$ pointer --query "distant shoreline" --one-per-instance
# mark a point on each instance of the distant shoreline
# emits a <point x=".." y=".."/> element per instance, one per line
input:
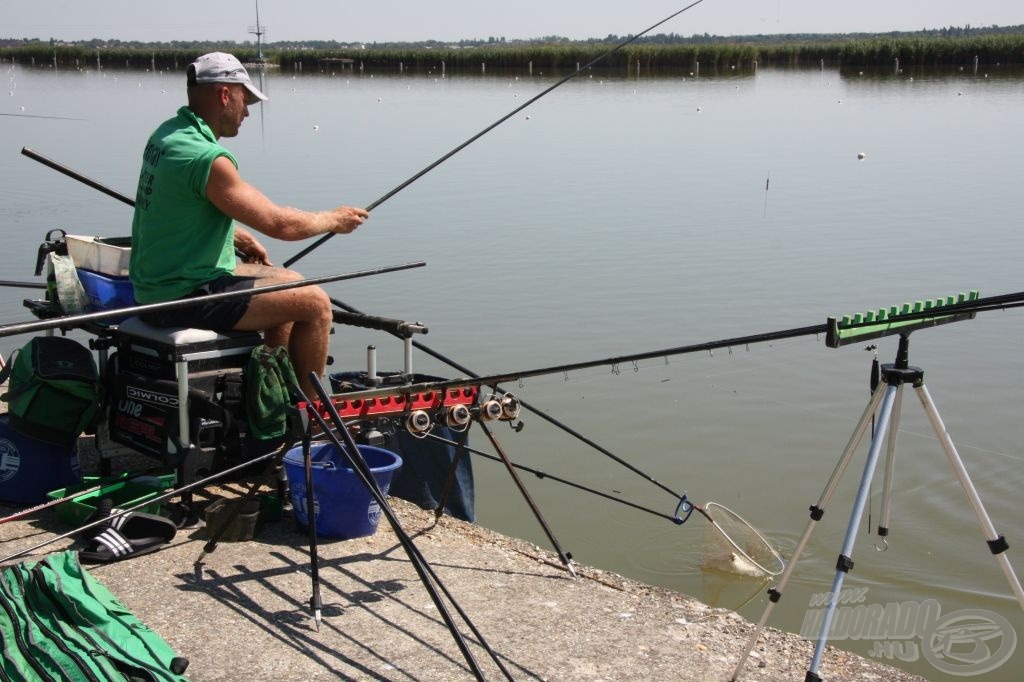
<point x="927" y="49"/>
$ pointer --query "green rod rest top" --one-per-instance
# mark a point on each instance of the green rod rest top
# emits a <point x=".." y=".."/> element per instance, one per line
<point x="904" y="319"/>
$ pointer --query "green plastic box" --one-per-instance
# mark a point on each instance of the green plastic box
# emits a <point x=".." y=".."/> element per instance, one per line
<point x="125" y="492"/>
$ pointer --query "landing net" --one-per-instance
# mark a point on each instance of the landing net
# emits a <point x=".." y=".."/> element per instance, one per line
<point x="734" y="546"/>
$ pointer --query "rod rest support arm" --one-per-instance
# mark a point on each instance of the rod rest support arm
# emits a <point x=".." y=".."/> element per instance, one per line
<point x="397" y="327"/>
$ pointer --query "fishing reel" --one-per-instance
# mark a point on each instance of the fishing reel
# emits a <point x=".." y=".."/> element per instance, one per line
<point x="458" y="417"/>
<point x="419" y="423"/>
<point x="504" y="407"/>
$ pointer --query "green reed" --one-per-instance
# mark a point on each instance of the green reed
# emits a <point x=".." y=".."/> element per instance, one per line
<point x="910" y="50"/>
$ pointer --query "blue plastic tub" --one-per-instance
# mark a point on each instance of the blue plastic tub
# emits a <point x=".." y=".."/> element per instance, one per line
<point x="106" y="292"/>
<point x="342" y="506"/>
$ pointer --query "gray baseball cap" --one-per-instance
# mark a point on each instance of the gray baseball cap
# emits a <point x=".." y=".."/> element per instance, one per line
<point x="221" y="67"/>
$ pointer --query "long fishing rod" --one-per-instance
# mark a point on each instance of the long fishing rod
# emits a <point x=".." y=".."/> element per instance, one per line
<point x="494" y="125"/>
<point x="744" y="540"/>
<point x="525" y="404"/>
<point x="51" y="503"/>
<point x="55" y="118"/>
<point x="856" y="330"/>
<point x="490" y="380"/>
<point x="150" y="501"/>
<point x="22" y="285"/>
<point x="61" y="500"/>
<point x="74" y="320"/>
<point x="35" y="156"/>
<point x="564" y="481"/>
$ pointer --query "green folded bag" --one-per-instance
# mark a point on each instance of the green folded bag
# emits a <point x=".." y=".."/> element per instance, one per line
<point x="58" y="622"/>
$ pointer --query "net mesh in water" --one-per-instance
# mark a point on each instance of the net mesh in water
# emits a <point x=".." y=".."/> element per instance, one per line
<point x="734" y="546"/>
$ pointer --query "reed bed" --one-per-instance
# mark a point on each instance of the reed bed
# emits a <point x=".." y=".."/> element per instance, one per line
<point x="881" y="52"/>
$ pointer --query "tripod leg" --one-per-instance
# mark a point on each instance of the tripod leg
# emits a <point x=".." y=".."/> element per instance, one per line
<point x="890" y="468"/>
<point x="845" y="563"/>
<point x="817" y="511"/>
<point x="996" y="543"/>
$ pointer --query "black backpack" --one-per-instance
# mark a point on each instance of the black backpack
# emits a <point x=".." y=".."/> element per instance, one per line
<point x="54" y="391"/>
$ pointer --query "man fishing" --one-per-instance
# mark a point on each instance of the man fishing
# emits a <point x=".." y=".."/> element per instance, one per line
<point x="185" y="231"/>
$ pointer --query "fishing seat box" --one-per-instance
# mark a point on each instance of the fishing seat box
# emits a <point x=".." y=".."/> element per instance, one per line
<point x="176" y="352"/>
<point x="31" y="468"/>
<point x="156" y="370"/>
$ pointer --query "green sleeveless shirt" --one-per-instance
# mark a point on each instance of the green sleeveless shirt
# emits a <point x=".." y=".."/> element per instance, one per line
<point x="180" y="240"/>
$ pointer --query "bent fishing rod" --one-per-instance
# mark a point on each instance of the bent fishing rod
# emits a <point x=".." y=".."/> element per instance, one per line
<point x="494" y="125"/>
<point x="101" y="315"/>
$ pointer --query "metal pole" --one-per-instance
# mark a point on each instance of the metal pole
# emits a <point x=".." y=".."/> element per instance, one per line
<point x="817" y="512"/>
<point x="844" y="564"/>
<point x="997" y="544"/>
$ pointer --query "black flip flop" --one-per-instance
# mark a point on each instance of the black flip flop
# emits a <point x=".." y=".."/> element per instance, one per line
<point x="129" y="535"/>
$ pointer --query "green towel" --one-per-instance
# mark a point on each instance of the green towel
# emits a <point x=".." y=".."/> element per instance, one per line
<point x="269" y="377"/>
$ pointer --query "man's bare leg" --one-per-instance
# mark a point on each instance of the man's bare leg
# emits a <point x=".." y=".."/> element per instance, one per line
<point x="299" y="319"/>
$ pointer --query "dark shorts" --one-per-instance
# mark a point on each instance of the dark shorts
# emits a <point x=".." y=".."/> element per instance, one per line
<point x="220" y="316"/>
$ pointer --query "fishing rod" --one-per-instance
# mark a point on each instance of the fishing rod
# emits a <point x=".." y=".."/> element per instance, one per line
<point x="149" y="501"/>
<point x="35" y="156"/>
<point x="494" y="125"/>
<point x="525" y="404"/>
<point x="742" y="538"/>
<point x="67" y="498"/>
<point x="564" y="481"/>
<point x="52" y="503"/>
<point x="848" y="330"/>
<point x="22" y="285"/>
<point x="55" y="118"/>
<point x="493" y="379"/>
<point x="350" y="451"/>
<point x="74" y="320"/>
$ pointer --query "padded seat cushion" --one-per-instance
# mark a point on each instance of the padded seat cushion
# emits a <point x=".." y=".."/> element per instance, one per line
<point x="182" y="336"/>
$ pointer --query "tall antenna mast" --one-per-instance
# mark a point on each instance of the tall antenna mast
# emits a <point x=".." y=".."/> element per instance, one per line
<point x="258" y="31"/>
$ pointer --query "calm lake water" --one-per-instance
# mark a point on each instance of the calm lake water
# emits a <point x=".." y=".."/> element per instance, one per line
<point x="617" y="216"/>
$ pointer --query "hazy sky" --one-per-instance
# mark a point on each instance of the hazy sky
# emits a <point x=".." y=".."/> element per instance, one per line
<point x="397" y="20"/>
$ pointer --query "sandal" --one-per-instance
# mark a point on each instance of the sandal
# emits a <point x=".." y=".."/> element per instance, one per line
<point x="128" y="535"/>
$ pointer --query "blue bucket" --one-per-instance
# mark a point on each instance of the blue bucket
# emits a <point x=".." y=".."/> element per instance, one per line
<point x="342" y="506"/>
